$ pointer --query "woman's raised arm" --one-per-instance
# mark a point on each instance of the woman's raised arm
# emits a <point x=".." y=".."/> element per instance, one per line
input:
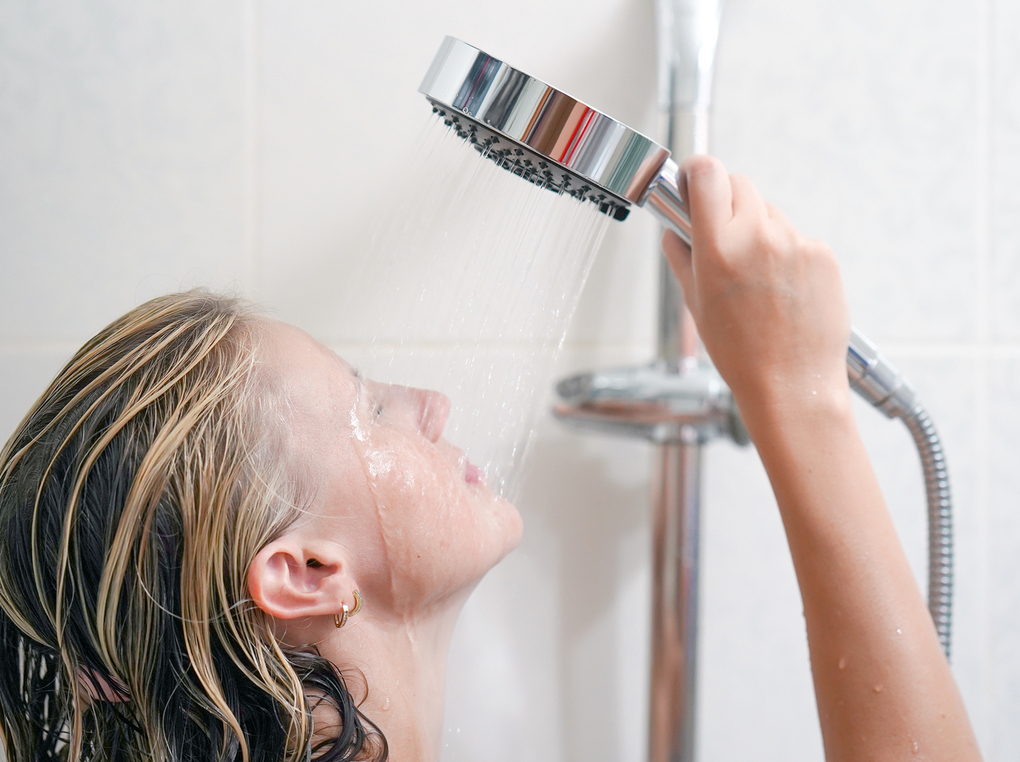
<point x="770" y="308"/>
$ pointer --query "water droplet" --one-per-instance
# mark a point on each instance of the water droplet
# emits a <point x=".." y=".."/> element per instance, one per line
<point x="879" y="688"/>
<point x="842" y="662"/>
<point x="899" y="631"/>
<point x="915" y="747"/>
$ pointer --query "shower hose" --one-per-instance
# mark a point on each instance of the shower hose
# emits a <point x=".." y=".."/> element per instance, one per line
<point x="940" y="520"/>
<point x="881" y="384"/>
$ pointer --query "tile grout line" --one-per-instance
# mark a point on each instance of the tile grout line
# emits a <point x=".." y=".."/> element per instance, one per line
<point x="986" y="345"/>
<point x="250" y="141"/>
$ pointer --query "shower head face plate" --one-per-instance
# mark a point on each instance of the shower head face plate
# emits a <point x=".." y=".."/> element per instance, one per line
<point x="540" y="133"/>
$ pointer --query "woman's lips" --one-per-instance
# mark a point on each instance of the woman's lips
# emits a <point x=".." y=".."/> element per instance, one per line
<point x="472" y="473"/>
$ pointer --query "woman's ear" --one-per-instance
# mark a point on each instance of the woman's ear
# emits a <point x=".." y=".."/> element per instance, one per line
<point x="292" y="578"/>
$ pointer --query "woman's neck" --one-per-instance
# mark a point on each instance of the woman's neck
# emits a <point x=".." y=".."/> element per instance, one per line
<point x="404" y="666"/>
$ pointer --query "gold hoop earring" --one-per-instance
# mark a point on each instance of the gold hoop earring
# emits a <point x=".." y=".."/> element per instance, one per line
<point x="339" y="620"/>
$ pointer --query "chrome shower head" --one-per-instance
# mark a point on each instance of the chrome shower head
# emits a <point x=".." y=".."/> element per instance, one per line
<point x="554" y="140"/>
<point x="543" y="134"/>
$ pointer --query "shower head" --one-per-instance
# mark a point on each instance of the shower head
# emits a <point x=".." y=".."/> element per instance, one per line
<point x="556" y="141"/>
<point x="550" y="138"/>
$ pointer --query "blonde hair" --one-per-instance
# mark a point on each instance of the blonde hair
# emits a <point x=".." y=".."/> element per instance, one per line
<point x="133" y="497"/>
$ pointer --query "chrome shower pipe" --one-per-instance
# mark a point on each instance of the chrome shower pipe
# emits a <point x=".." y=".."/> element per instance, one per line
<point x="688" y="32"/>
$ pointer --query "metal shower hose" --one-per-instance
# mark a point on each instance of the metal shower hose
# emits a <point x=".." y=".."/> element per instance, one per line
<point x="940" y="521"/>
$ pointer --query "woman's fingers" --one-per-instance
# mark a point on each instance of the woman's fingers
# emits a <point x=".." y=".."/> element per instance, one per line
<point x="747" y="202"/>
<point x="709" y="195"/>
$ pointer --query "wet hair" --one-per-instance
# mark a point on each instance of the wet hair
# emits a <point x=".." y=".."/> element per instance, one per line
<point x="133" y="497"/>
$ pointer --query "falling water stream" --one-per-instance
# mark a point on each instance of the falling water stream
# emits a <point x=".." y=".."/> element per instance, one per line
<point x="472" y="280"/>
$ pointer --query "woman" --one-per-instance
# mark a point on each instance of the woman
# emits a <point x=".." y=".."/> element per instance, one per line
<point x="218" y="542"/>
<point x="188" y="512"/>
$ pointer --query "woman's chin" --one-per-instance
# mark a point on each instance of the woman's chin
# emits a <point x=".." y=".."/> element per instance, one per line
<point x="513" y="526"/>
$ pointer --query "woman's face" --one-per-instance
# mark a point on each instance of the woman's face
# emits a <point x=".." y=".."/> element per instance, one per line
<point x="416" y="520"/>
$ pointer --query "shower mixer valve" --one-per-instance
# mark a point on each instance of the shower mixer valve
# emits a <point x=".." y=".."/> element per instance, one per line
<point x="659" y="402"/>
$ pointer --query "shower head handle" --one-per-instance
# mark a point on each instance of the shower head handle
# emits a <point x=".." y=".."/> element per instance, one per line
<point x="663" y="200"/>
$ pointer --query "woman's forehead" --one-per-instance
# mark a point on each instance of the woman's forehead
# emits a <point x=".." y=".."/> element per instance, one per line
<point x="315" y="378"/>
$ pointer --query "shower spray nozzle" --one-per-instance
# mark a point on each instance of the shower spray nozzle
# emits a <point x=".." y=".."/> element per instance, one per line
<point x="548" y="137"/>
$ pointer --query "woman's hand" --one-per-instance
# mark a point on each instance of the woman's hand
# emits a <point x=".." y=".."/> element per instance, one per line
<point x="768" y="302"/>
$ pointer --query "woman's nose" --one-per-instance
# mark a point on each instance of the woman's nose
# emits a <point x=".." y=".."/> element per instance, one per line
<point x="435" y="409"/>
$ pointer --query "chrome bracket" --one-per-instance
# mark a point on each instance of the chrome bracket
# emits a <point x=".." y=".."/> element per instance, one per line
<point x="662" y="402"/>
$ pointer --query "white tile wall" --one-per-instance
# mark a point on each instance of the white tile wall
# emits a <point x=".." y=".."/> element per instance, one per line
<point x="862" y="120"/>
<point x="1004" y="154"/>
<point x="257" y="145"/>
<point x="1002" y="518"/>
<point x="121" y="161"/>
